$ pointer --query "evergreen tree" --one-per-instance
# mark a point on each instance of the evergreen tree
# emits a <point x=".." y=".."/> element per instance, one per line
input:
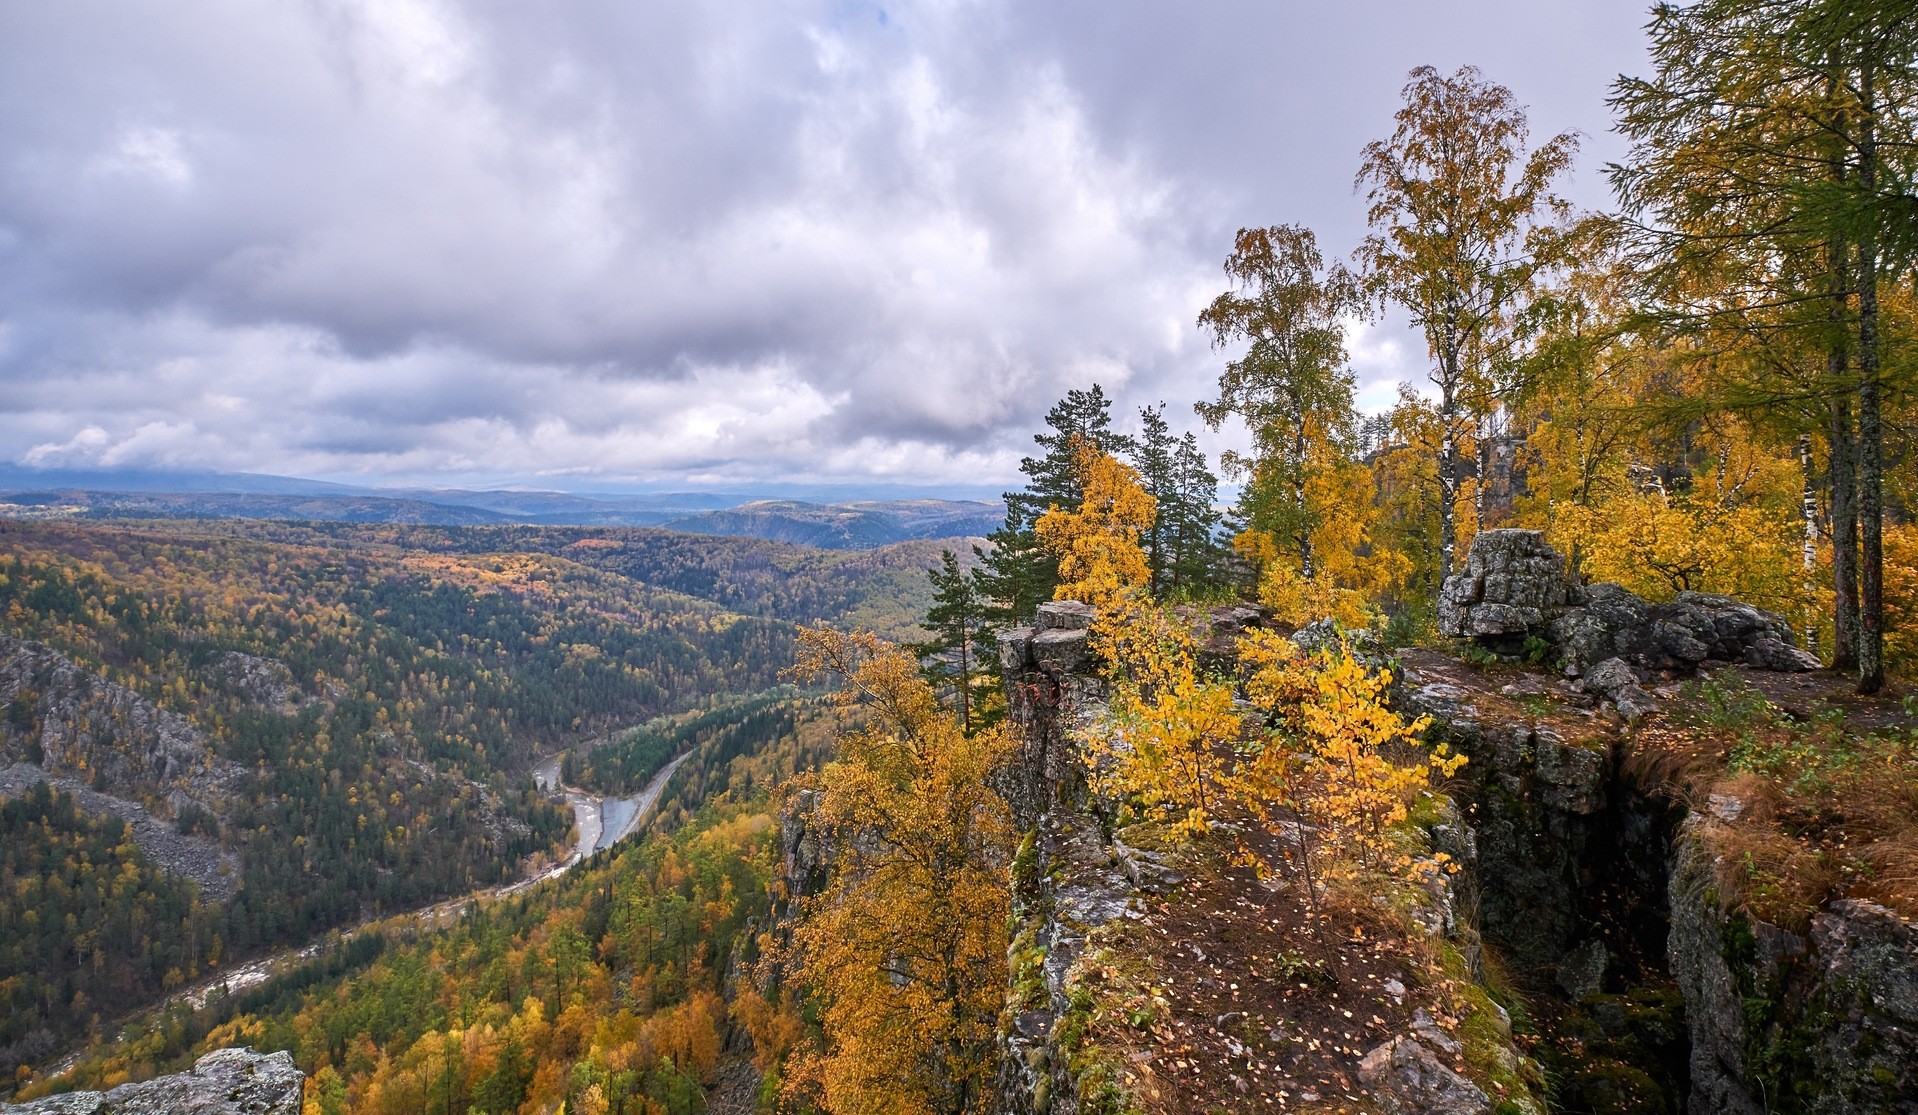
<point x="960" y="630"/>
<point x="1157" y="462"/>
<point x="1197" y="558"/>
<point x="1019" y="574"/>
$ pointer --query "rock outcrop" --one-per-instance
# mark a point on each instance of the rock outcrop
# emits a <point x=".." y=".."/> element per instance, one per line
<point x="1079" y="883"/>
<point x="266" y="683"/>
<point x="1691" y="629"/>
<point x="1513" y="584"/>
<point x="75" y="724"/>
<point x="1825" y="1022"/>
<point x="224" y="1082"/>
<point x="1513" y="595"/>
<point x="1050" y="694"/>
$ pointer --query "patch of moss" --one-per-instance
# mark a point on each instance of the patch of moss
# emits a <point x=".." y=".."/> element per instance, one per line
<point x="1486" y="1034"/>
<point x="1026" y="960"/>
<point x="1105" y="989"/>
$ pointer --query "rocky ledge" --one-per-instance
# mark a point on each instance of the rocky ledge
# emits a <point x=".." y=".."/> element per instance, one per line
<point x="224" y="1082"/>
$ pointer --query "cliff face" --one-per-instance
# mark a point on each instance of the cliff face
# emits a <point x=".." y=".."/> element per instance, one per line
<point x="75" y="724"/>
<point x="1598" y="884"/>
<point x="1825" y="1021"/>
<point x="224" y="1082"/>
<point x="1168" y="977"/>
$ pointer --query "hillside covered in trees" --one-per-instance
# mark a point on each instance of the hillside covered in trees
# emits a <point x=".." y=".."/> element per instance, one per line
<point x="1544" y="743"/>
<point x="344" y="719"/>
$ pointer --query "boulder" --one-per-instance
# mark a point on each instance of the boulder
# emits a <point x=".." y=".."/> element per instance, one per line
<point x="224" y="1082"/>
<point x="1613" y="627"/>
<point x="1408" y="1078"/>
<point x="1512" y="585"/>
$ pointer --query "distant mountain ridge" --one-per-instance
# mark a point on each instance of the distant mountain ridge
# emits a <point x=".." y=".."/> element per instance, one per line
<point x="851" y="525"/>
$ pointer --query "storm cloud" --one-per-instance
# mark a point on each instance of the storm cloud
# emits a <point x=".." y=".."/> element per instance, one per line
<point x="605" y="242"/>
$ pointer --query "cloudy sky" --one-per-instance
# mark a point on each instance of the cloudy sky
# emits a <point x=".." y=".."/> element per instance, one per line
<point x="604" y="243"/>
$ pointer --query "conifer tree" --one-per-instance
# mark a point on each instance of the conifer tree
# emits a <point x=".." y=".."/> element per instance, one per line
<point x="1771" y="168"/>
<point x="960" y="632"/>
<point x="1197" y="556"/>
<point x="1020" y="574"/>
<point x="1157" y="462"/>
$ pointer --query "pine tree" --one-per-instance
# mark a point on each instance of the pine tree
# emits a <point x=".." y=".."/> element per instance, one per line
<point x="1157" y="462"/>
<point x="1019" y="574"/>
<point x="960" y="632"/>
<point x="1197" y="556"/>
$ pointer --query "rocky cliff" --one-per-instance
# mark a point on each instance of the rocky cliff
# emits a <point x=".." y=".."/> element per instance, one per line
<point x="224" y="1082"/>
<point x="1608" y="880"/>
<point x="1166" y="976"/>
<point x="76" y="724"/>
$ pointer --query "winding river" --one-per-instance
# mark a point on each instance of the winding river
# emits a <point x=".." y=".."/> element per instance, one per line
<point x="602" y="822"/>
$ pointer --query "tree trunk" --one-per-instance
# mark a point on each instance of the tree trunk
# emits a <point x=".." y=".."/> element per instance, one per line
<point x="1843" y="454"/>
<point x="1298" y="495"/>
<point x="1871" y="449"/>
<point x="1448" y="464"/>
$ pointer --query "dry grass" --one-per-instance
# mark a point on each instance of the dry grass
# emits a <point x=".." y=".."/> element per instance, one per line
<point x="1810" y="806"/>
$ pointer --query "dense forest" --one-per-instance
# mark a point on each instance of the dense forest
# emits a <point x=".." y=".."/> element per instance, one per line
<point x="602" y="989"/>
<point x="87" y="922"/>
<point x="366" y="715"/>
<point x="1708" y="390"/>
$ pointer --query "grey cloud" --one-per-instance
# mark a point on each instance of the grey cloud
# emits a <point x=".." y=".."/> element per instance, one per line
<point x="420" y="240"/>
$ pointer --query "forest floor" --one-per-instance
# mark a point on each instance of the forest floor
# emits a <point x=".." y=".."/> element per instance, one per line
<point x="1246" y="999"/>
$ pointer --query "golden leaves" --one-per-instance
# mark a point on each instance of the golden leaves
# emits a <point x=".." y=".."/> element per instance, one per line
<point x="1098" y="543"/>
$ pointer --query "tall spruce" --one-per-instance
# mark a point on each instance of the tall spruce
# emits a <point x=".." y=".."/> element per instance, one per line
<point x="1182" y="544"/>
<point x="1018" y="573"/>
<point x="961" y="629"/>
<point x="1157" y="462"/>
<point x="1198" y="558"/>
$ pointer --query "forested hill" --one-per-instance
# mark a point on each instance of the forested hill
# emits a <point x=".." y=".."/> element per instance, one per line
<point x="883" y="589"/>
<point x="348" y="713"/>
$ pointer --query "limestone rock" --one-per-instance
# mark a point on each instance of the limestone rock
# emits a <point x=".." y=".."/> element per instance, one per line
<point x="1015" y="649"/>
<point x="1582" y="972"/>
<point x="224" y="1082"/>
<point x="267" y="683"/>
<point x="1613" y="624"/>
<point x="1512" y="585"/>
<point x="1408" y="1079"/>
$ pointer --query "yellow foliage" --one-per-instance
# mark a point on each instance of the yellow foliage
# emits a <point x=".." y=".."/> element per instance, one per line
<point x="1097" y="544"/>
<point x="1657" y="548"/>
<point x="1168" y="738"/>
<point x="905" y="947"/>
<point x="1296" y="601"/>
<point x="1901" y="597"/>
<point x="1337" y="758"/>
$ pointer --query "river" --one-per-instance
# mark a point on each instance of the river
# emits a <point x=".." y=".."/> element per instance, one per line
<point x="602" y="822"/>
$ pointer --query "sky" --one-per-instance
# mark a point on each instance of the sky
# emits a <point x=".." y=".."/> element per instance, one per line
<point x="605" y="244"/>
